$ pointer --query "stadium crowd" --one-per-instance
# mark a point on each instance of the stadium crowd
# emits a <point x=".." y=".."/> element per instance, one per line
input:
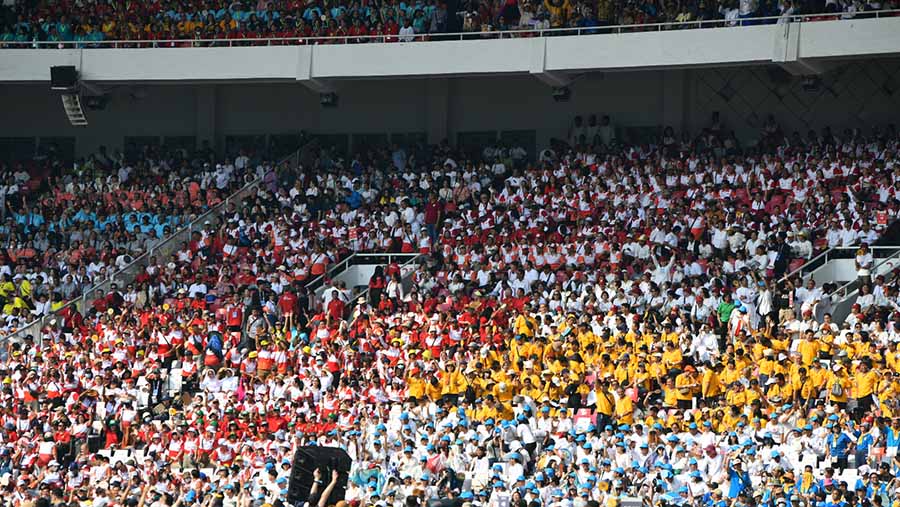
<point x="594" y="322"/>
<point x="180" y="24"/>
<point x="63" y="234"/>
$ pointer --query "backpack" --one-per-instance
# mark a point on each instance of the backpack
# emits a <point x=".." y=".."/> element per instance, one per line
<point x="469" y="395"/>
<point x="836" y="390"/>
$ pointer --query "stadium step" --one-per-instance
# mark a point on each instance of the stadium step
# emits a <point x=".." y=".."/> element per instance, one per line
<point x="838" y="265"/>
<point x="845" y="296"/>
<point x="356" y="270"/>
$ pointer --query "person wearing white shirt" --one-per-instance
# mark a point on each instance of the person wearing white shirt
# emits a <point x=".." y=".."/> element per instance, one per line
<point x="197" y="288"/>
<point x="864" y="262"/>
<point x="849" y="236"/>
<point x="865" y="300"/>
<point x="407" y="32"/>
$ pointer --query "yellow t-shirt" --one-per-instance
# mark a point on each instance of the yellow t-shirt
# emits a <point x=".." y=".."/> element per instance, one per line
<point x="865" y="383"/>
<point x="684" y="393"/>
<point x="736" y="398"/>
<point x="809" y="350"/>
<point x="625" y="410"/>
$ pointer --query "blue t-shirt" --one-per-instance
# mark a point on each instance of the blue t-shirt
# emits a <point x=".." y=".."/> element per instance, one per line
<point x="738" y="481"/>
<point x="839" y="445"/>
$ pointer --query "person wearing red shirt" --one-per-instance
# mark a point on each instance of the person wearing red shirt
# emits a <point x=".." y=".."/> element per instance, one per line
<point x="391" y="28"/>
<point x="275" y="421"/>
<point x="234" y="317"/>
<point x="356" y="30"/>
<point x="287" y="303"/>
<point x="433" y="212"/>
<point x="336" y="308"/>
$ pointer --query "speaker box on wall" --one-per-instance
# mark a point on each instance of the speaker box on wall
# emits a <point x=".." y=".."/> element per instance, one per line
<point x="326" y="459"/>
<point x="63" y="77"/>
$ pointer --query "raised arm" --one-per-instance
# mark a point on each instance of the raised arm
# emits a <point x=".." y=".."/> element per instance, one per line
<point x="323" y="500"/>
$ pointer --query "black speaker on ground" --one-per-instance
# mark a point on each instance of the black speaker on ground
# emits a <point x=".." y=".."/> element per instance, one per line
<point x="446" y="502"/>
<point x="63" y="77"/>
<point x="326" y="459"/>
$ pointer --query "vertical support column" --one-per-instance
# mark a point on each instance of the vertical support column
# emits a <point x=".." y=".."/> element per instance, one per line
<point x="673" y="99"/>
<point x="687" y="101"/>
<point x="437" y="105"/>
<point x="206" y="115"/>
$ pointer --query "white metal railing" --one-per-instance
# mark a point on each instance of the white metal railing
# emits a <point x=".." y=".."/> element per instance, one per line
<point x="837" y="252"/>
<point x="357" y="258"/>
<point x="845" y="296"/>
<point x="890" y="262"/>
<point x="493" y="34"/>
<point x="413" y="258"/>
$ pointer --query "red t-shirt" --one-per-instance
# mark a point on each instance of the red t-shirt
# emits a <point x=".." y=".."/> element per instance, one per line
<point x="288" y="302"/>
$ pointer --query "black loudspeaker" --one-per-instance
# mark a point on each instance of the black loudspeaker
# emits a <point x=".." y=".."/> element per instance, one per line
<point x="63" y="77"/>
<point x="447" y="502"/>
<point x="326" y="459"/>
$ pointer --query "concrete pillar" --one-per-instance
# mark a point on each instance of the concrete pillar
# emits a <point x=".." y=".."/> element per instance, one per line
<point x="673" y="98"/>
<point x="205" y="114"/>
<point x="437" y="104"/>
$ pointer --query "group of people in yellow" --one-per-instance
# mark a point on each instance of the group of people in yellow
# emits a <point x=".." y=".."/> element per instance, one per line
<point x="615" y="372"/>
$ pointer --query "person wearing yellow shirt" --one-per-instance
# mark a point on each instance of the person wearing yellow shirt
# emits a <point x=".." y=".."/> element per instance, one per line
<point x="730" y="374"/>
<point x="605" y="404"/>
<point x="482" y="384"/>
<point x="818" y="374"/>
<point x="892" y="357"/>
<point x="711" y="384"/>
<point x="743" y="360"/>
<point x="686" y="384"/>
<point x="504" y="392"/>
<point x="656" y="368"/>
<point x="808" y="348"/>
<point x="736" y="397"/>
<point x="525" y="325"/>
<point x="433" y="389"/>
<point x="805" y="388"/>
<point x="672" y="356"/>
<point x="56" y="304"/>
<point x="838" y="386"/>
<point x="669" y="393"/>
<point x="553" y="389"/>
<point x="669" y="336"/>
<point x="642" y="377"/>
<point x="25" y="289"/>
<point x="865" y="379"/>
<point x="530" y="390"/>
<point x="415" y="386"/>
<point x="732" y="416"/>
<point x="621" y="372"/>
<point x="485" y="411"/>
<point x="504" y="410"/>
<point x="7" y="288"/>
<point x="453" y="383"/>
<point x="753" y="392"/>
<point x="624" y="407"/>
<point x="779" y="391"/>
<point x="586" y="337"/>
<point x="767" y="365"/>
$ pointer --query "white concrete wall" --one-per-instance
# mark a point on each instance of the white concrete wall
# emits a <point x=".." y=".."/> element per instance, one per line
<point x="574" y="54"/>
<point x="853" y="94"/>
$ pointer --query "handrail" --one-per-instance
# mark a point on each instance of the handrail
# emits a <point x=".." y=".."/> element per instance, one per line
<point x="365" y="292"/>
<point x="500" y="34"/>
<point x="826" y="254"/>
<point x="847" y="289"/>
<point x="318" y="281"/>
<point x="102" y="285"/>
